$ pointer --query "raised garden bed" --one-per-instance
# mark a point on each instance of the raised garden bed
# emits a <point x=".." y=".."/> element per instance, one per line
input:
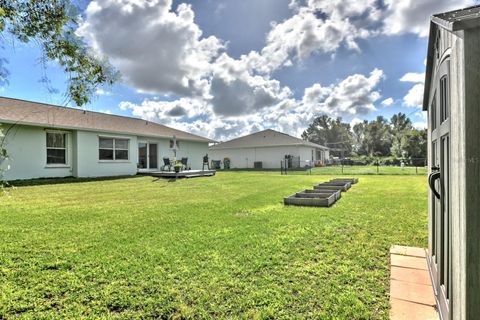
<point x="351" y="180"/>
<point x="319" y="201"/>
<point x="308" y="193"/>
<point x="333" y="186"/>
<point x="323" y="195"/>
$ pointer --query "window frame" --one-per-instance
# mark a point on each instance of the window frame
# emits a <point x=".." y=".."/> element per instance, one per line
<point x="444" y="98"/>
<point x="65" y="148"/>
<point x="114" y="149"/>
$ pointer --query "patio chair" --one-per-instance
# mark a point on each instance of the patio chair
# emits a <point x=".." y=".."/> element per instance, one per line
<point x="205" y="162"/>
<point x="184" y="162"/>
<point x="166" y="163"/>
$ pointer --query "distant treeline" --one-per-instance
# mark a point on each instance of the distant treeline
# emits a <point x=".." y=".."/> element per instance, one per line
<point x="395" y="138"/>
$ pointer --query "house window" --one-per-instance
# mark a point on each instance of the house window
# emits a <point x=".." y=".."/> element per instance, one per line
<point x="113" y="149"/>
<point x="56" y="148"/>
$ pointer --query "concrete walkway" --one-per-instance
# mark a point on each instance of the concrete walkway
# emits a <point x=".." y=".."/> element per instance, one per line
<point x="411" y="291"/>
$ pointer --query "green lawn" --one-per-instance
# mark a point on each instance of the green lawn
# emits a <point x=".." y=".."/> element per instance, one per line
<point x="220" y="247"/>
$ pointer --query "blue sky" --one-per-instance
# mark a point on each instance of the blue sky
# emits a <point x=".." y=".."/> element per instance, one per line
<point x="224" y="68"/>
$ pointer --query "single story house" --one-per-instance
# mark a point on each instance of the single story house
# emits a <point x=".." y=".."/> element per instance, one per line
<point x="46" y="141"/>
<point x="268" y="149"/>
<point x="452" y="99"/>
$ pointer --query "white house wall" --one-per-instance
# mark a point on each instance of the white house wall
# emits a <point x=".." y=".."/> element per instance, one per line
<point x="26" y="147"/>
<point x="88" y="163"/>
<point x="242" y="158"/>
<point x="194" y="151"/>
<point x="27" y="151"/>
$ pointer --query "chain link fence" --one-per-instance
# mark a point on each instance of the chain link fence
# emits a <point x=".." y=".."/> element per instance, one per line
<point x="417" y="166"/>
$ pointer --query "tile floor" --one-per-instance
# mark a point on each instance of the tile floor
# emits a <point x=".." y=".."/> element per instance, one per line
<point x="411" y="292"/>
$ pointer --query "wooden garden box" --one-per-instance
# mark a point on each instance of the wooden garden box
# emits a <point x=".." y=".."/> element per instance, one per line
<point x="319" y="201"/>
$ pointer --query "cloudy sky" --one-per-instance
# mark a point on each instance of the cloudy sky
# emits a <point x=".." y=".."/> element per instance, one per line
<point x="224" y="68"/>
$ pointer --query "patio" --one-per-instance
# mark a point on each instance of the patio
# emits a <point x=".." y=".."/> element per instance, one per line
<point x="181" y="174"/>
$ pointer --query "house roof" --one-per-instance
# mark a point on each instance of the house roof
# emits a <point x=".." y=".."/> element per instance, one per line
<point x="459" y="19"/>
<point x="451" y="21"/>
<point x="266" y="138"/>
<point x="52" y="116"/>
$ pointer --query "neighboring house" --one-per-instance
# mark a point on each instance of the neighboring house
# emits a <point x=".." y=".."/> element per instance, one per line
<point x="452" y="99"/>
<point x="270" y="148"/>
<point x="51" y="141"/>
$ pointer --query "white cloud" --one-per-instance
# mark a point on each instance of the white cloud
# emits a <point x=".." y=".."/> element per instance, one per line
<point x="413" y="77"/>
<point x="352" y="96"/>
<point x="414" y="97"/>
<point x="161" y="50"/>
<point x="235" y="90"/>
<point x="387" y="102"/>
<point x="355" y="121"/>
<point x="412" y="16"/>
<point x="167" y="111"/>
<point x="102" y="92"/>
<point x="420" y="125"/>
<point x="318" y="27"/>
<point x="156" y="50"/>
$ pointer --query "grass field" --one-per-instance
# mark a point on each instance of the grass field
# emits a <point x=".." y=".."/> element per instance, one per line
<point x="220" y="247"/>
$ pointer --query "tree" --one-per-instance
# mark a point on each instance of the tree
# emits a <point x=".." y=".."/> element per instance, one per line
<point x="400" y="126"/>
<point x="376" y="138"/>
<point x="330" y="132"/>
<point x="415" y="144"/>
<point x="359" y="145"/>
<point x="52" y="24"/>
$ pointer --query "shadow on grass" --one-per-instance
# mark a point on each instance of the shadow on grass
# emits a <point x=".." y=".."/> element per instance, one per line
<point x="52" y="181"/>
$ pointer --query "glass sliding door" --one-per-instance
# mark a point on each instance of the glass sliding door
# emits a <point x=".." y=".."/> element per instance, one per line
<point x="152" y="156"/>
<point x="147" y="155"/>
<point x="142" y="156"/>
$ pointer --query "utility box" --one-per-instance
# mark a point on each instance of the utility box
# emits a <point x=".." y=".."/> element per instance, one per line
<point x="452" y="100"/>
<point x="258" y="165"/>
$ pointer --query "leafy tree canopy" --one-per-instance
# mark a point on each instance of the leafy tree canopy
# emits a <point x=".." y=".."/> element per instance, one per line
<point x="332" y="133"/>
<point x="381" y="137"/>
<point x="52" y="24"/>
